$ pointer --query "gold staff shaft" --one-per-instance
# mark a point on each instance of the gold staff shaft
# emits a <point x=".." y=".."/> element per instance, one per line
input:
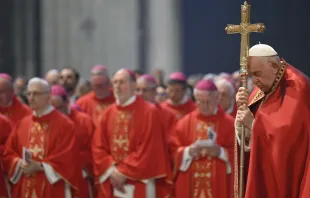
<point x="245" y="28"/>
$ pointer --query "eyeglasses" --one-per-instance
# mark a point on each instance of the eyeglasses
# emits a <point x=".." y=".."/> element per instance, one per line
<point x="35" y="93"/>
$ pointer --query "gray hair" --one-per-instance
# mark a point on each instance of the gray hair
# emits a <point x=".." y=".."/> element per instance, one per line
<point x="39" y="81"/>
<point x="271" y="59"/>
<point x="224" y="82"/>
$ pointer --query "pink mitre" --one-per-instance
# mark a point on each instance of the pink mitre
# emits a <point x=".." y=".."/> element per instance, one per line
<point x="5" y="76"/>
<point x="58" y="90"/>
<point x="99" y="69"/>
<point x="206" y="85"/>
<point x="179" y="76"/>
<point x="149" y="78"/>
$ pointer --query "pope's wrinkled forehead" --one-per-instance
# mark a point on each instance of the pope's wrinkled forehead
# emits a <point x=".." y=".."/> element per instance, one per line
<point x="255" y="63"/>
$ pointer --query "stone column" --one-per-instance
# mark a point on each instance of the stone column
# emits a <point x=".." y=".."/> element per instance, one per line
<point x="164" y="39"/>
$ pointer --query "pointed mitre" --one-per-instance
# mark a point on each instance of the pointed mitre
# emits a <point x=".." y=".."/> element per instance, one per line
<point x="262" y="50"/>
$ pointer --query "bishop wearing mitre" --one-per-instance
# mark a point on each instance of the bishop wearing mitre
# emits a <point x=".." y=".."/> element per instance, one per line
<point x="202" y="146"/>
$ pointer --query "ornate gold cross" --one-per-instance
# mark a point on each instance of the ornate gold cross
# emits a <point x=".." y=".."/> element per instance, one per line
<point x="245" y="29"/>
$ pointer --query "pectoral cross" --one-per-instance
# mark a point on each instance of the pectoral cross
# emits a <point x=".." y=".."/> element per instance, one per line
<point x="245" y="29"/>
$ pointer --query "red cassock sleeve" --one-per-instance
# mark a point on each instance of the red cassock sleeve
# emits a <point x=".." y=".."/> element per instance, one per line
<point x="178" y="142"/>
<point x="6" y="129"/>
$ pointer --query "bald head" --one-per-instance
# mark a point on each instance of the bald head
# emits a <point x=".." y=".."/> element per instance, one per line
<point x="146" y="87"/>
<point x="38" y="93"/>
<point x="124" y="85"/>
<point x="6" y="91"/>
<point x="52" y="76"/>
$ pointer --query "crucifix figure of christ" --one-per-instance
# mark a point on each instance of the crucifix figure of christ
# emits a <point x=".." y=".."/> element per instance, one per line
<point x="245" y="29"/>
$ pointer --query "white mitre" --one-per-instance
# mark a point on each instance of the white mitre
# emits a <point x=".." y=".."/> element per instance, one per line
<point x="262" y="50"/>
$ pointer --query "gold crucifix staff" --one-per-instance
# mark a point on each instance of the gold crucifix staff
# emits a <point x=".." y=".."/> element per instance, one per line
<point x="245" y="28"/>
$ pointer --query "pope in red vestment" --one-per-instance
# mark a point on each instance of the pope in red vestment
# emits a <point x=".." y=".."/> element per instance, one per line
<point x="128" y="144"/>
<point x="278" y="133"/>
<point x="95" y="102"/>
<point x="84" y="129"/>
<point x="39" y="153"/>
<point x="179" y="103"/>
<point x="10" y="106"/>
<point x="6" y="129"/>
<point x="202" y="146"/>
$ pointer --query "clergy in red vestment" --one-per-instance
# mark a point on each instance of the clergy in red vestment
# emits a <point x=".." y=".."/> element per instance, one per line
<point x="84" y="129"/>
<point x="146" y="88"/>
<point x="41" y="152"/>
<point x="179" y="103"/>
<point x="277" y="123"/>
<point x="10" y="106"/>
<point x="227" y="92"/>
<point x="95" y="102"/>
<point x="6" y="129"/>
<point x="202" y="147"/>
<point x="127" y="147"/>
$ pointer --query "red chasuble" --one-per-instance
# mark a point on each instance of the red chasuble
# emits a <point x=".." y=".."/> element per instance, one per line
<point x="84" y="129"/>
<point x="130" y="138"/>
<point x="280" y="157"/>
<point x="164" y="185"/>
<point x="94" y="106"/>
<point x="5" y="131"/>
<point x="16" y="111"/>
<point x="208" y="176"/>
<point x="179" y="110"/>
<point x="51" y="140"/>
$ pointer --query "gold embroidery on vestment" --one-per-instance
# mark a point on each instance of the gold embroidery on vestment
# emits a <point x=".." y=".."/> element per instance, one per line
<point x="202" y="169"/>
<point x="120" y="136"/>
